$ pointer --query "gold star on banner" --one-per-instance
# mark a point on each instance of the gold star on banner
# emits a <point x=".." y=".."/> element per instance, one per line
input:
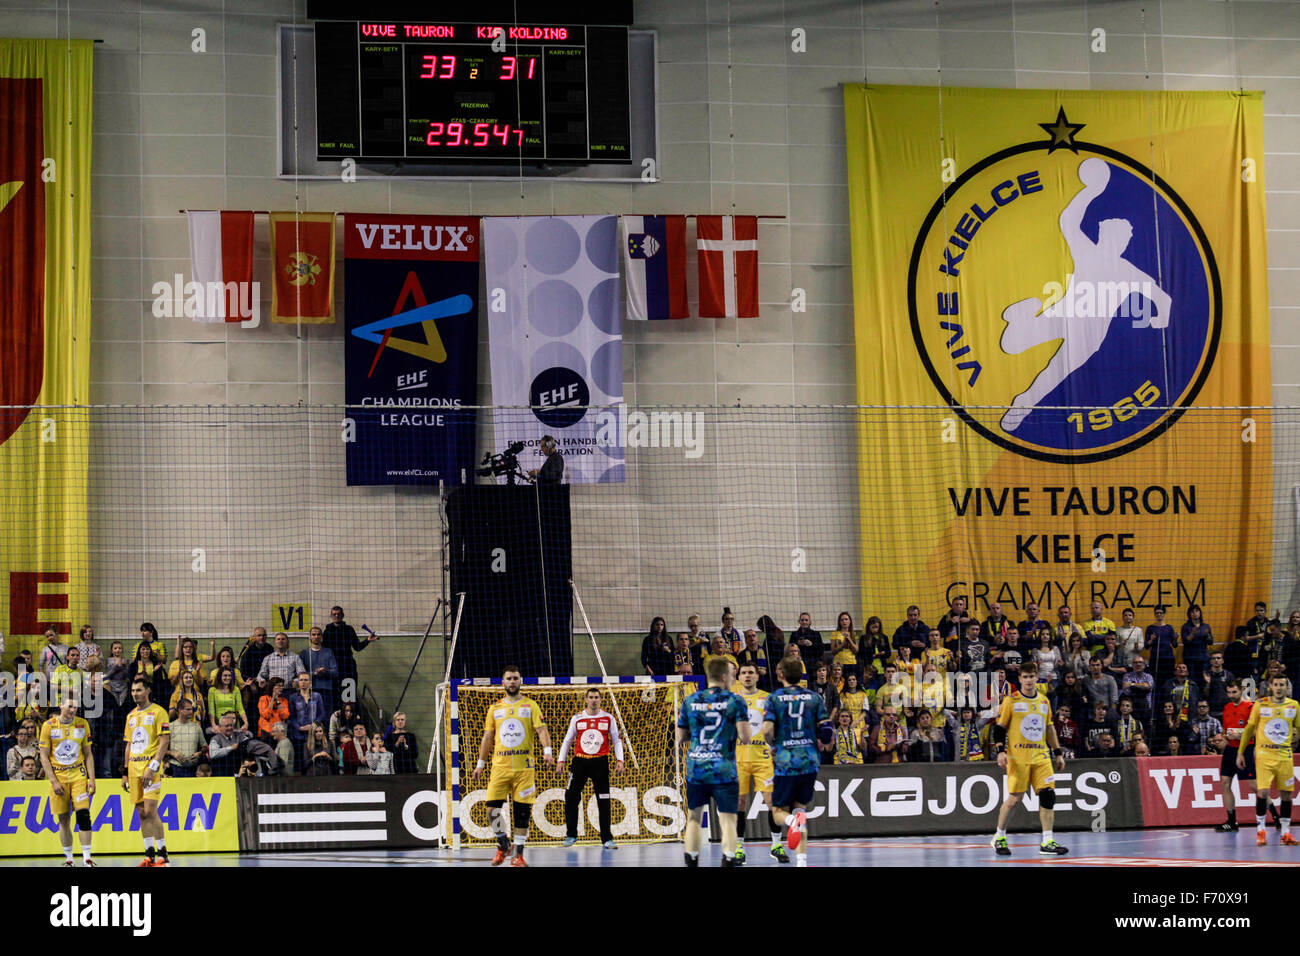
<point x="1062" y="132"/>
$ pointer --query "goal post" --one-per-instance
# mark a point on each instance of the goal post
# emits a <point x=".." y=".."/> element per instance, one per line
<point x="647" y="799"/>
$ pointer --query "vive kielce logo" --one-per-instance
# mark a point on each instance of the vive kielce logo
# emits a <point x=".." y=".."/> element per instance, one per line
<point x="1064" y="298"/>
<point x="78" y="910"/>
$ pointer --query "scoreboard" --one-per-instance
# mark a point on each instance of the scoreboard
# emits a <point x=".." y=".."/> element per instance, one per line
<point x="389" y="90"/>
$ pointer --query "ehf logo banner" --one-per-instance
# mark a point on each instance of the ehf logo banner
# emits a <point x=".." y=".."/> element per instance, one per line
<point x="411" y="354"/>
<point x="555" y="308"/>
<point x="1072" y="274"/>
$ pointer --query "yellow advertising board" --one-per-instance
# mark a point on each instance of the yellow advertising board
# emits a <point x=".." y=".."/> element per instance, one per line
<point x="1062" y="298"/>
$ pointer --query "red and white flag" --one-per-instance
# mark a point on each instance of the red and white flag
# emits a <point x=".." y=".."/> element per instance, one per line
<point x="221" y="254"/>
<point x="727" y="247"/>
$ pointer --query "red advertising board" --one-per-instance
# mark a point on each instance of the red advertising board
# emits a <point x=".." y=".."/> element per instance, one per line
<point x="1185" y="791"/>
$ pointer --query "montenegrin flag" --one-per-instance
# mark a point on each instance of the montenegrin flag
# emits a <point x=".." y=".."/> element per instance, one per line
<point x="728" y="257"/>
<point x="302" y="256"/>
<point x="221" y="254"/>
<point x="654" y="267"/>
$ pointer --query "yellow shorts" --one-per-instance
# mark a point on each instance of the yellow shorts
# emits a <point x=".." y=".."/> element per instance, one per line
<point x="1273" y="771"/>
<point x="755" y="775"/>
<point x="136" y="790"/>
<point x="1039" y="774"/>
<point x="518" y="785"/>
<point x="75" y="796"/>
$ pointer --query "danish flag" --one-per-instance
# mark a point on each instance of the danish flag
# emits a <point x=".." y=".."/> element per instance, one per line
<point x="727" y="247"/>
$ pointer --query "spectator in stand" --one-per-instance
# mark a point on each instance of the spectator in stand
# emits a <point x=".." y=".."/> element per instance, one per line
<point x="255" y="651"/>
<point x="86" y="644"/>
<point x="1129" y="637"/>
<point x="224" y="748"/>
<point x="116" y="669"/>
<point x="1099" y="687"/>
<point x="1034" y="631"/>
<point x="1160" y="641"/>
<point x="272" y="708"/>
<point x="1105" y="746"/>
<point x="684" y="661"/>
<point x="1127" y="728"/>
<point x="953" y="623"/>
<point x="1197" y="638"/>
<point x="186" y="656"/>
<point x="873" y="653"/>
<point x="341" y="722"/>
<point x="995" y="627"/>
<point x="1174" y="746"/>
<point x="54" y="653"/>
<point x="1257" y="626"/>
<point x="1112" y="659"/>
<point x="853" y="699"/>
<point x="66" y="678"/>
<point x="322" y="759"/>
<point x="1291" y="648"/>
<point x="967" y="745"/>
<point x="721" y="649"/>
<point x="1140" y="687"/>
<point x="1064" y="629"/>
<point x="773" y="640"/>
<point x="1069" y="693"/>
<point x="342" y="640"/>
<point x="1241" y="655"/>
<point x="281" y="663"/>
<point x="1067" y="731"/>
<point x="927" y="743"/>
<point x="283" y="747"/>
<point x="975" y="650"/>
<point x="1203" y="729"/>
<point x="188" y="745"/>
<point x="701" y="641"/>
<point x="101" y="726"/>
<point x="1165" y="725"/>
<point x="1141" y="749"/>
<point x="847" y="747"/>
<point x="1270" y="646"/>
<point x="895" y="691"/>
<point x="938" y="655"/>
<point x="401" y="743"/>
<point x="186" y="691"/>
<point x="226" y="658"/>
<point x="149" y="635"/>
<point x="379" y="760"/>
<point x="146" y="665"/>
<point x="306" y="708"/>
<point x="318" y="661"/>
<point x="29" y="768"/>
<point x="1214" y="684"/>
<point x="811" y="646"/>
<point x="753" y="653"/>
<point x="1076" y="655"/>
<point x="656" y="649"/>
<point x="888" y="741"/>
<point x="844" y="643"/>
<point x="24" y="746"/>
<point x="225" y="697"/>
<point x="1275" y="669"/>
<point x="1183" y="692"/>
<point x="822" y="686"/>
<point x="354" y="751"/>
<point x="1097" y="627"/>
<point x="913" y="633"/>
<point x="1050" y="663"/>
<point x="733" y="639"/>
<point x="1012" y="654"/>
<point x="1098" y="722"/>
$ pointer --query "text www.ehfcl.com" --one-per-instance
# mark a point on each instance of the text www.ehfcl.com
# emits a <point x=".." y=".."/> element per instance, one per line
<point x="1203" y="923"/>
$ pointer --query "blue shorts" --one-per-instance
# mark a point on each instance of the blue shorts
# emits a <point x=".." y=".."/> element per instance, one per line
<point x="787" y="791"/>
<point x="725" y="795"/>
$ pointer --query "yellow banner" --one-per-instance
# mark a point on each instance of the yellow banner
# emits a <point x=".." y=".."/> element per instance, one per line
<point x="1080" y="277"/>
<point x="45" y="112"/>
<point x="199" y="815"/>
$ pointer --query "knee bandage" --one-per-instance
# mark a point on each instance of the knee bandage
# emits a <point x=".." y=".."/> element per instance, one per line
<point x="83" y="821"/>
<point x="522" y="813"/>
<point x="1047" y="799"/>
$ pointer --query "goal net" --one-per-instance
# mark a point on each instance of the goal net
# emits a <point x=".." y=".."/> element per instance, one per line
<point x="646" y="797"/>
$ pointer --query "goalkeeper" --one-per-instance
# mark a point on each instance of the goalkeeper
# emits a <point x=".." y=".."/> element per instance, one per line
<point x="592" y="733"/>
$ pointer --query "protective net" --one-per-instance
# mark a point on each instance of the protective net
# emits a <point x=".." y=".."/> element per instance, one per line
<point x="646" y="797"/>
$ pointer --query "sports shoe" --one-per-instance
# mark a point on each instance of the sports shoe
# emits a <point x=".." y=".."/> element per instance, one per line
<point x="67" y="863"/>
<point x="569" y="841"/>
<point x="89" y="863"/>
<point x="1289" y="840"/>
<point x="730" y="861"/>
<point x="146" y="862"/>
<point x="1052" y="848"/>
<point x="518" y="861"/>
<point x="1227" y="826"/>
<point x="740" y="855"/>
<point x="795" y="835"/>
<point x="1261" y="837"/>
<point x="778" y="853"/>
<point x="163" y="862"/>
<point x="1000" y="845"/>
<point x="610" y="845"/>
<point x="501" y="856"/>
<point x="691" y="860"/>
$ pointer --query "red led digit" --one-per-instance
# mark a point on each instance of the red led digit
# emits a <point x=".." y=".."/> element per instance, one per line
<point x="435" y="130"/>
<point x="454" y="131"/>
<point x="519" y="137"/>
<point x="507" y="68"/>
<point x="448" y="68"/>
<point x="501" y="132"/>
<point x="428" y="62"/>
<point x="480" y="134"/>
<point x="532" y="64"/>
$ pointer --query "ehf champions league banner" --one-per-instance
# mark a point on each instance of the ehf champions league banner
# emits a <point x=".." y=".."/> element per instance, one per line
<point x="555" y="314"/>
<point x="45" y="127"/>
<point x="1076" y="276"/>
<point x="411" y="354"/>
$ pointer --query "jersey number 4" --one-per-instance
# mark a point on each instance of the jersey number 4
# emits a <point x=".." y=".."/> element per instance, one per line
<point x="795" y="715"/>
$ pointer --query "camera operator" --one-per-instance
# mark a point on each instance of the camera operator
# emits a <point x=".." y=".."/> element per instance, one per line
<point x="552" y="469"/>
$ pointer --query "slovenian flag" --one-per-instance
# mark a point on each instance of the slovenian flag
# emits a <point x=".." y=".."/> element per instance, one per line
<point x="654" y="263"/>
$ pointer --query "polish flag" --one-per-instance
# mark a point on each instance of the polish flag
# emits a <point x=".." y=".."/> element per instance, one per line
<point x="727" y="247"/>
<point x="221" y="251"/>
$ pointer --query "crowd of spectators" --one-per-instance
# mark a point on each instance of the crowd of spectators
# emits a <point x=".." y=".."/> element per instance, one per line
<point x="928" y="693"/>
<point x="264" y="709"/>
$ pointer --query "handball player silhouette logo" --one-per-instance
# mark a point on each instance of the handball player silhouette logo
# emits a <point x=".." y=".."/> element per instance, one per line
<point x="1064" y="299"/>
<point x="22" y="250"/>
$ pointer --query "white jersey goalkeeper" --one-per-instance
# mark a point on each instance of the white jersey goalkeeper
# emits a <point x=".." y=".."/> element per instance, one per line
<point x="592" y="734"/>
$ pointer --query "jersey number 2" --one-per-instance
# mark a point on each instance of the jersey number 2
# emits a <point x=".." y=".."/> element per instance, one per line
<point x="709" y="732"/>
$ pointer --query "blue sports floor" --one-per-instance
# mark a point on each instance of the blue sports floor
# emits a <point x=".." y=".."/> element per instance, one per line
<point x="1180" y="848"/>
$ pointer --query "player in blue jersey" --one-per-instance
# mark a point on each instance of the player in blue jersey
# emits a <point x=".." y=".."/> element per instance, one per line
<point x="794" y="718"/>
<point x="713" y="720"/>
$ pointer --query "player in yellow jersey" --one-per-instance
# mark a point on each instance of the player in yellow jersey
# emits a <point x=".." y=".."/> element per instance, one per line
<point x="70" y="768"/>
<point x="754" y="768"/>
<point x="1276" y="719"/>
<point x="512" y="723"/>
<point x="147" y="735"/>
<point x="1022" y="736"/>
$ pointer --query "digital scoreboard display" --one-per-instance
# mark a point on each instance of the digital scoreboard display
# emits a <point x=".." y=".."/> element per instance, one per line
<point x="455" y="92"/>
